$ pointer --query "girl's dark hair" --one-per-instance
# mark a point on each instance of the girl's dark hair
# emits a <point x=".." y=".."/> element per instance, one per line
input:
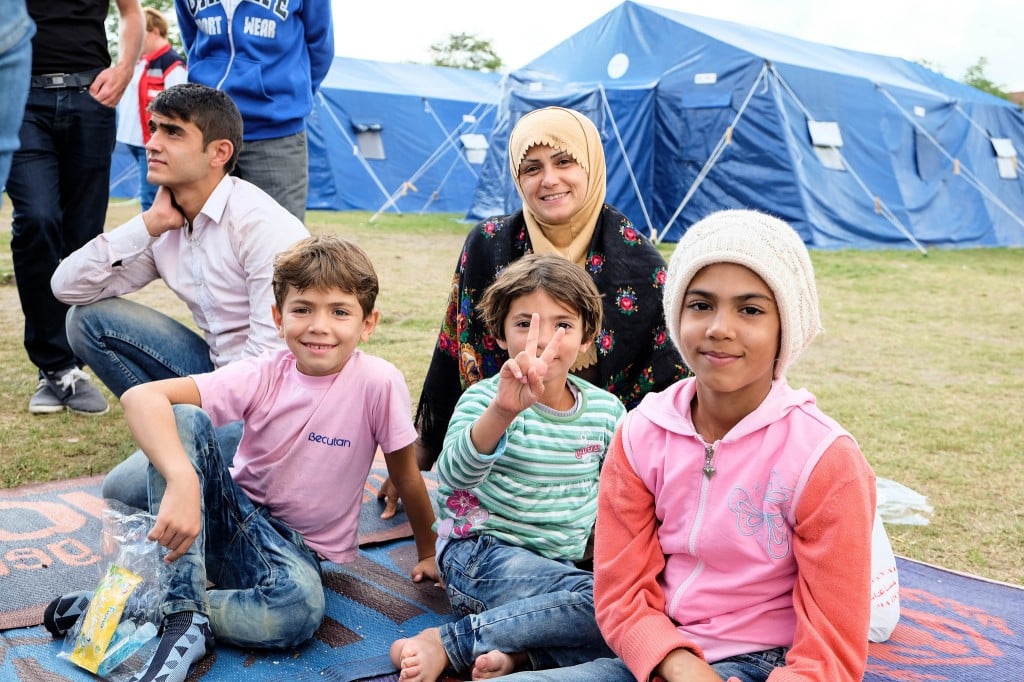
<point x="559" y="278"/>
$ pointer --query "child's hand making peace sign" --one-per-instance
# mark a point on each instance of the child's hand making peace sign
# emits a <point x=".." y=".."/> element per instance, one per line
<point x="521" y="380"/>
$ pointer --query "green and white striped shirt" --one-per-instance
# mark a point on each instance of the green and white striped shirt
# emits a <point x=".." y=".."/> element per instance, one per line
<point x="538" y="489"/>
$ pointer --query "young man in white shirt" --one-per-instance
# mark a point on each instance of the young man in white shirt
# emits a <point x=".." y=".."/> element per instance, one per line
<point x="210" y="237"/>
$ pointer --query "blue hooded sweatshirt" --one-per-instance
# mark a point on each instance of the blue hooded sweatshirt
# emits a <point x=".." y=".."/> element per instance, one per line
<point x="270" y="56"/>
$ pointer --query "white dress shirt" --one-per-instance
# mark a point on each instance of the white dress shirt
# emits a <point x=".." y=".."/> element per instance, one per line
<point x="221" y="267"/>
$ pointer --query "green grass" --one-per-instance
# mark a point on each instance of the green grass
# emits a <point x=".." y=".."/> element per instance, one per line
<point x="921" y="360"/>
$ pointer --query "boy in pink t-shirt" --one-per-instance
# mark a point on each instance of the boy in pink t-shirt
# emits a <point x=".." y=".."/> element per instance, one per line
<point x="314" y="414"/>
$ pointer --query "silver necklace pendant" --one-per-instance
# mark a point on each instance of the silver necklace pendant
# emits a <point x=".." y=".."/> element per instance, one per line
<point x="709" y="453"/>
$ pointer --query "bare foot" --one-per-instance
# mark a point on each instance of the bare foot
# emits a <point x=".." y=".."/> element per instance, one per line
<point x="421" y="658"/>
<point x="496" y="664"/>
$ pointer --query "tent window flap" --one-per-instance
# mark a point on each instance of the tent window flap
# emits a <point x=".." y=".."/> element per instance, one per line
<point x="369" y="139"/>
<point x="475" y="145"/>
<point x="827" y="140"/>
<point x="1006" y="157"/>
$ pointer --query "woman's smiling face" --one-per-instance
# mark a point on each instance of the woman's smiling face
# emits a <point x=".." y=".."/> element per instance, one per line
<point x="553" y="184"/>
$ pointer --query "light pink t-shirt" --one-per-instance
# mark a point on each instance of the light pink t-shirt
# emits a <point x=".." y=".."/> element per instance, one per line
<point x="309" y="442"/>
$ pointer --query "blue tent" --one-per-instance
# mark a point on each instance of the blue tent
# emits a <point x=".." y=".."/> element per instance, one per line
<point x="697" y="114"/>
<point x="399" y="137"/>
<point x="387" y="137"/>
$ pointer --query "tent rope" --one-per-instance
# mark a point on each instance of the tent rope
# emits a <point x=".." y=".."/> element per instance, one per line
<point x="351" y="142"/>
<point x="433" y="195"/>
<point x="962" y="170"/>
<point x="439" y="151"/>
<point x="723" y="142"/>
<point x="125" y="174"/>
<point x="876" y="201"/>
<point x="625" y="156"/>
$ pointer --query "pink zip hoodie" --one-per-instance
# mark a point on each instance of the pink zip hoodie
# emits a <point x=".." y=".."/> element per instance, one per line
<point x="771" y="549"/>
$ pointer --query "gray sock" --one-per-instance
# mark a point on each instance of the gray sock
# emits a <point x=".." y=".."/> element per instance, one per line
<point x="186" y="639"/>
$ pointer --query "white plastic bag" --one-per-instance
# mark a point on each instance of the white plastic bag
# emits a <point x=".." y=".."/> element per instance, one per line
<point x="899" y="504"/>
<point x="885" y="585"/>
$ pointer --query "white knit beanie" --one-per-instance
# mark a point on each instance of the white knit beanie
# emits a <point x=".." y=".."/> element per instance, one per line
<point x="770" y="248"/>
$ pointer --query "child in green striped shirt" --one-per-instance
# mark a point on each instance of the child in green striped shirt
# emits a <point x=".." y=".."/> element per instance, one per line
<point x="517" y="487"/>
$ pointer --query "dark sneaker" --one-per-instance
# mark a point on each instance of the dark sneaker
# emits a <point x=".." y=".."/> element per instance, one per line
<point x="44" y="400"/>
<point x="77" y="392"/>
<point x="62" y="613"/>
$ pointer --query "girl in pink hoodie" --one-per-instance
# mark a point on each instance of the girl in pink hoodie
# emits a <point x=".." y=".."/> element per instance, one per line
<point x="734" y="521"/>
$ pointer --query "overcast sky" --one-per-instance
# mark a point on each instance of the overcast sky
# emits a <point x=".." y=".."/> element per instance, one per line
<point x="949" y="36"/>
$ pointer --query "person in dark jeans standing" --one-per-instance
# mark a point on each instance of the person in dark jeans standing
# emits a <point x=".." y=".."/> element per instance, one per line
<point x="60" y="176"/>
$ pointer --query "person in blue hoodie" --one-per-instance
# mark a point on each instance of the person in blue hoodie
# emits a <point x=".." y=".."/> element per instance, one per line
<point x="270" y="57"/>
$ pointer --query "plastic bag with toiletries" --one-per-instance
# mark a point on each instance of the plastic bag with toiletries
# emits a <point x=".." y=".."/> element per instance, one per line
<point x="117" y="634"/>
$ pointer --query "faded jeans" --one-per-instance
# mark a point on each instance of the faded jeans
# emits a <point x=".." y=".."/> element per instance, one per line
<point x="514" y="600"/>
<point x="15" y="70"/>
<point x="267" y="590"/>
<point x="754" y="667"/>
<point x="147" y="191"/>
<point x="127" y="344"/>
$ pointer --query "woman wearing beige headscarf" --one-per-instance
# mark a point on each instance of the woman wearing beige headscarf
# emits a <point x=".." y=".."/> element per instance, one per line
<point x="557" y="162"/>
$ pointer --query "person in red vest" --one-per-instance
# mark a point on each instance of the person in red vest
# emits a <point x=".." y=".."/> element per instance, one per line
<point x="159" y="68"/>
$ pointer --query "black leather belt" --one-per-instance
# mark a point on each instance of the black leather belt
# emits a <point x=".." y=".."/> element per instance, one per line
<point x="57" y="81"/>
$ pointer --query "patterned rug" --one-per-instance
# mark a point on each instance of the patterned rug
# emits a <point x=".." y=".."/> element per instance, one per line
<point x="370" y="603"/>
<point x="954" y="627"/>
<point x="49" y="540"/>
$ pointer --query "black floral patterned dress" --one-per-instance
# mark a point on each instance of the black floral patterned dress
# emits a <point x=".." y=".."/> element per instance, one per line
<point x="634" y="353"/>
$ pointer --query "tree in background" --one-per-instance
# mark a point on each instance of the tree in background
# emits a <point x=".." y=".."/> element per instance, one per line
<point x="465" y="51"/>
<point x="166" y="7"/>
<point x="975" y="77"/>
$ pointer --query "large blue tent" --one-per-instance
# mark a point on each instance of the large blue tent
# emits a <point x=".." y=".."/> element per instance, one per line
<point x="399" y="137"/>
<point x="387" y="136"/>
<point x="855" y="150"/>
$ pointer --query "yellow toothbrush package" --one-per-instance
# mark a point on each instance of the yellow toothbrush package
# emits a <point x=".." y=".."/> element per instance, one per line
<point x="103" y="616"/>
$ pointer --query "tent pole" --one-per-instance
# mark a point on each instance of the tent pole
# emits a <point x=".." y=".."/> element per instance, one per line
<point x="723" y="142"/>
<point x="352" y="144"/>
<point x="651" y="232"/>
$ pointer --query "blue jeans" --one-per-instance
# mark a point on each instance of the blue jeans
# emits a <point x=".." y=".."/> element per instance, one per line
<point x="127" y="344"/>
<point x="267" y="590"/>
<point x="15" y="68"/>
<point x="147" y="191"/>
<point x="127" y="481"/>
<point x="59" y="187"/>
<point x="279" y="167"/>
<point x="754" y="667"/>
<point x="514" y="600"/>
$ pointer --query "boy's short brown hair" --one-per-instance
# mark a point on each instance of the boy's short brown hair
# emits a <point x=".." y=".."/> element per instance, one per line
<point x="559" y="278"/>
<point x="326" y="262"/>
<point x="155" y="19"/>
